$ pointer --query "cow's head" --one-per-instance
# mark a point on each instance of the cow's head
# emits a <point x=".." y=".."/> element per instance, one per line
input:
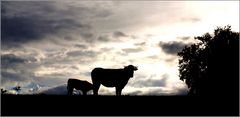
<point x="130" y="69"/>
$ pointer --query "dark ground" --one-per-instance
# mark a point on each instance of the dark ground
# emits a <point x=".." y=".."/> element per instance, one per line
<point x="59" y="105"/>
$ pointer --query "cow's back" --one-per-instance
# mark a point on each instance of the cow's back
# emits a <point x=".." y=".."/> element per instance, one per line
<point x="107" y="74"/>
<point x="109" y="77"/>
<point x="72" y="82"/>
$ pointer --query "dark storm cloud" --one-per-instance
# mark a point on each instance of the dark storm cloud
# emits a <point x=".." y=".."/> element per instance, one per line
<point x="10" y="77"/>
<point x="118" y="34"/>
<point x="25" y="29"/>
<point x="23" y="23"/>
<point x="15" y="68"/>
<point x="20" y="30"/>
<point x="11" y="60"/>
<point x="172" y="47"/>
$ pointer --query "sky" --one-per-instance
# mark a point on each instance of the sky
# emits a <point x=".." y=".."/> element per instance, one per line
<point x="43" y="43"/>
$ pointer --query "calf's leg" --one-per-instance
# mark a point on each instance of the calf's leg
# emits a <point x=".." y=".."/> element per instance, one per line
<point x="84" y="92"/>
<point x="118" y="91"/>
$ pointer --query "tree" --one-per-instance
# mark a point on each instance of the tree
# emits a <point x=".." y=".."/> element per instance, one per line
<point x="3" y="91"/>
<point x="210" y="66"/>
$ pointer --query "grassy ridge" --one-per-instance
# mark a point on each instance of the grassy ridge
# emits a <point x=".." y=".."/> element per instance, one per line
<point x="105" y="105"/>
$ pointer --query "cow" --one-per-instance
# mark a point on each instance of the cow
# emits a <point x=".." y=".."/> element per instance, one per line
<point x="117" y="78"/>
<point x="82" y="85"/>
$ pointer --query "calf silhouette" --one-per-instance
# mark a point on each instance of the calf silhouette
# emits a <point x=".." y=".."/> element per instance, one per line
<point x="117" y="78"/>
<point x="82" y="85"/>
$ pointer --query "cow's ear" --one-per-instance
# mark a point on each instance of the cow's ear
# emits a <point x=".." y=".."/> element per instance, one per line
<point x="126" y="67"/>
<point x="136" y="68"/>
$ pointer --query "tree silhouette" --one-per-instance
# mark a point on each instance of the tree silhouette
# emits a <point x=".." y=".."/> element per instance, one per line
<point x="3" y="91"/>
<point x="210" y="67"/>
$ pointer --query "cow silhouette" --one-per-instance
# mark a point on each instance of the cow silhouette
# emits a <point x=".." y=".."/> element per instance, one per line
<point x="82" y="85"/>
<point x="117" y="78"/>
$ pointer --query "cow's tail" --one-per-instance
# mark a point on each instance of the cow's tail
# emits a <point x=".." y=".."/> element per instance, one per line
<point x="68" y="87"/>
<point x="68" y="84"/>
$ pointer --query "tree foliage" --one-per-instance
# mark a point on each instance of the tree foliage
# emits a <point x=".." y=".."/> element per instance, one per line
<point x="210" y="66"/>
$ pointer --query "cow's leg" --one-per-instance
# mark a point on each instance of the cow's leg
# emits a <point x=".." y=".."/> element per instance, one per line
<point x="70" y="90"/>
<point x="84" y="92"/>
<point x="118" y="91"/>
<point x="95" y="88"/>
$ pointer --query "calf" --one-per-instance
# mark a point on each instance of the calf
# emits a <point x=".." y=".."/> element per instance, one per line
<point x="82" y="85"/>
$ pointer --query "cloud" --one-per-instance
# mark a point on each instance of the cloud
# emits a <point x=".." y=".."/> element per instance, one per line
<point x="64" y="39"/>
<point x="65" y="58"/>
<point x="22" y="23"/>
<point x="172" y="47"/>
<point x="149" y="82"/>
<point x="132" y="50"/>
<point x="57" y="90"/>
<point x="104" y="38"/>
<point x="87" y="35"/>
<point x="118" y="34"/>
<point x="49" y="71"/>
<point x="191" y="19"/>
<point x="140" y="44"/>
<point x="11" y="60"/>
<point x="184" y="38"/>
<point x="14" y="77"/>
<point x="15" y="68"/>
<point x="180" y="91"/>
<point x="156" y="91"/>
<point x="80" y="53"/>
<point x="114" y="37"/>
<point x="82" y="46"/>
<point x="19" y="30"/>
<point x="104" y="14"/>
